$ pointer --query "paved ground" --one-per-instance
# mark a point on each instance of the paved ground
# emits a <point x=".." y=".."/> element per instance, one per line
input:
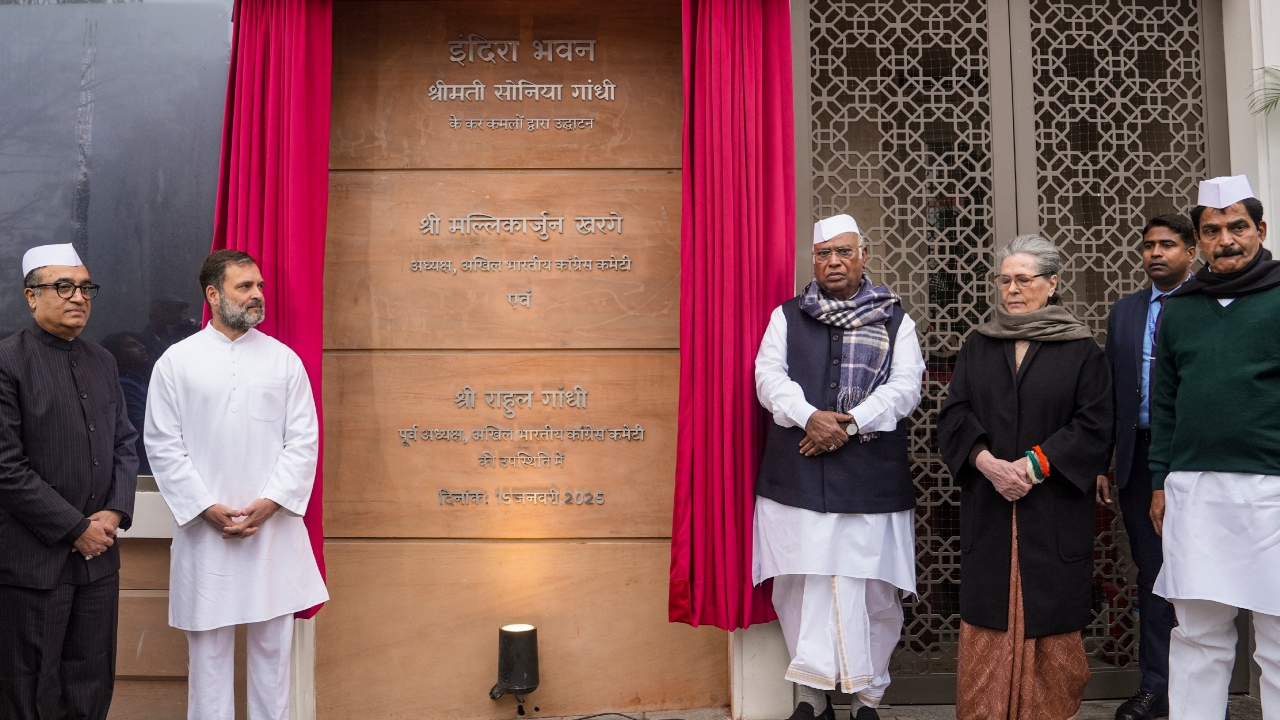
<point x="1242" y="708"/>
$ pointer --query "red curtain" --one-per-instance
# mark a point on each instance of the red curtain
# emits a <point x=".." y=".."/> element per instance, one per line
<point x="273" y="186"/>
<point x="737" y="262"/>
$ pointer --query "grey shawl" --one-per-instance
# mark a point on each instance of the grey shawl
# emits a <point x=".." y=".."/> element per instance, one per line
<point x="1051" y="323"/>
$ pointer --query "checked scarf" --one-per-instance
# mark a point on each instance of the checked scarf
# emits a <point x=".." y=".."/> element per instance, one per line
<point x="865" y="360"/>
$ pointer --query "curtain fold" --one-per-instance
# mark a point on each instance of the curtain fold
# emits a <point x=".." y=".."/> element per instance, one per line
<point x="736" y="265"/>
<point x="273" y="184"/>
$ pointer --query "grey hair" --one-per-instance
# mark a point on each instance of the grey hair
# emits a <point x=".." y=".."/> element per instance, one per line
<point x="1048" y="257"/>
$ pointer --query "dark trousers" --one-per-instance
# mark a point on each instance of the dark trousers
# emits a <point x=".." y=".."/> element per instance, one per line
<point x="58" y="650"/>
<point x="1156" y="616"/>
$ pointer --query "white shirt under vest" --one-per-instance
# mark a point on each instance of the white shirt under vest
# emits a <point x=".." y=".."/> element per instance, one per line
<point x="230" y="422"/>
<point x="794" y="541"/>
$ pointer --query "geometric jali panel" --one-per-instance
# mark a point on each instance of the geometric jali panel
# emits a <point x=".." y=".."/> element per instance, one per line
<point x="1120" y="138"/>
<point x="1120" y="134"/>
<point x="901" y="139"/>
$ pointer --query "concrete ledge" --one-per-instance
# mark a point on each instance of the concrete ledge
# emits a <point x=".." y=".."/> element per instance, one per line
<point x="757" y="662"/>
<point x="151" y="516"/>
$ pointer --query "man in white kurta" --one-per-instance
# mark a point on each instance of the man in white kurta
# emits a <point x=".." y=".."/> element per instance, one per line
<point x="837" y="575"/>
<point x="232" y="434"/>
<point x="1215" y="454"/>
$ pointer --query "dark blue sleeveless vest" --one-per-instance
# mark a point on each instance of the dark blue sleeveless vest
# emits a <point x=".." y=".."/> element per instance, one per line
<point x="860" y="477"/>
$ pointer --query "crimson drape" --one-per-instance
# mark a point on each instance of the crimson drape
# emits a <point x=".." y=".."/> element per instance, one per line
<point x="273" y="186"/>
<point x="737" y="257"/>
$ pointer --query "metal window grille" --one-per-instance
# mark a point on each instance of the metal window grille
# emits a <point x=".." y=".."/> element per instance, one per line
<point x="1120" y="138"/>
<point x="900" y="101"/>
<point x="902" y="139"/>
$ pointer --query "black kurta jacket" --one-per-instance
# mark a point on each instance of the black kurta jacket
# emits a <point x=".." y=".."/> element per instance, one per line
<point x="66" y="452"/>
<point x="1060" y="400"/>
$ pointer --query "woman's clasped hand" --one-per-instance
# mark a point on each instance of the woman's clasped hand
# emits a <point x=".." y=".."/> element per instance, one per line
<point x="1009" y="478"/>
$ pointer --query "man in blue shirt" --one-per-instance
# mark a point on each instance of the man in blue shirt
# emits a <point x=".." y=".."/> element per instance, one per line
<point x="1168" y="249"/>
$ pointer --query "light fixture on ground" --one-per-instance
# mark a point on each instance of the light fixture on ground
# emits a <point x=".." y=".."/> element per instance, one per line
<point x="517" y="661"/>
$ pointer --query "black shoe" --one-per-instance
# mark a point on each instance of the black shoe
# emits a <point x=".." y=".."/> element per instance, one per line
<point x="866" y="713"/>
<point x="1143" y="706"/>
<point x="804" y="711"/>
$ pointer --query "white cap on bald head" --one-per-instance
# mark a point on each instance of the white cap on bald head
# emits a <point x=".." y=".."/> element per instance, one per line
<point x="44" y="255"/>
<point x="824" y="230"/>
<point x="1223" y="192"/>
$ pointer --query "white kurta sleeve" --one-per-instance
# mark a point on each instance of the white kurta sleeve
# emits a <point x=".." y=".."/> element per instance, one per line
<point x="294" y="473"/>
<point x="778" y="393"/>
<point x="900" y="394"/>
<point x="180" y="483"/>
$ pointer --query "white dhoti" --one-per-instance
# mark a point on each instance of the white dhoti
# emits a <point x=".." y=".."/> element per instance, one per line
<point x="1221" y="552"/>
<point x="211" y="681"/>
<point x="840" y="632"/>
<point x="836" y="589"/>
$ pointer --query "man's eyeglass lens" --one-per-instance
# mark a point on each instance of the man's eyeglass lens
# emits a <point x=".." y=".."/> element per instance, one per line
<point x="1023" y="281"/>
<point x="844" y="253"/>
<point x="65" y="289"/>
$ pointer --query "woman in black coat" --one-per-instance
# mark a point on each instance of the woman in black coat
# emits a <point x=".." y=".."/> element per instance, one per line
<point x="1025" y="430"/>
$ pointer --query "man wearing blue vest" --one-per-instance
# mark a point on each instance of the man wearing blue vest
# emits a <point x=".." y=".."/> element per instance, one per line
<point x="839" y="369"/>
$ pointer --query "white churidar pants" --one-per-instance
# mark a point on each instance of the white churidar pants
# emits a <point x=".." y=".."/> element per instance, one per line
<point x="1221" y="552"/>
<point x="1202" y="652"/>
<point x="839" y="631"/>
<point x="211" y="679"/>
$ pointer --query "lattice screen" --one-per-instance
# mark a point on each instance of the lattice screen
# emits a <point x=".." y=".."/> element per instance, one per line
<point x="1120" y="137"/>
<point x="901" y="138"/>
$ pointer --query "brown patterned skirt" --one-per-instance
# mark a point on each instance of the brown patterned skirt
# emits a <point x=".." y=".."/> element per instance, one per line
<point x="1008" y="676"/>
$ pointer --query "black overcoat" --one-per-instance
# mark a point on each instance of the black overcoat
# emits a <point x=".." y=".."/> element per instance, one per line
<point x="1061" y="400"/>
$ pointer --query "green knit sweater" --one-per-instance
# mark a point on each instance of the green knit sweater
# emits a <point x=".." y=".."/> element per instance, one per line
<point x="1216" y="405"/>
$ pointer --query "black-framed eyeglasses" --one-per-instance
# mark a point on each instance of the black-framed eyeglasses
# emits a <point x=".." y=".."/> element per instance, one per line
<point x="1023" y="281"/>
<point x="68" y="290"/>
<point x="844" y="253"/>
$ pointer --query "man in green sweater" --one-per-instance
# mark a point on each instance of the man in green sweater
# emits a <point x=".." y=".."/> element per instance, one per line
<point x="1215" y="454"/>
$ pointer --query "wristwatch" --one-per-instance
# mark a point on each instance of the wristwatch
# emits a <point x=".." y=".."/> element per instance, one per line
<point x="851" y="428"/>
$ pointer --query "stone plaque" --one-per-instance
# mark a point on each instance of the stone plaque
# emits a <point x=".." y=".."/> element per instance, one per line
<point x="487" y="444"/>
<point x="501" y="369"/>
<point x="456" y="259"/>
<point x="506" y="85"/>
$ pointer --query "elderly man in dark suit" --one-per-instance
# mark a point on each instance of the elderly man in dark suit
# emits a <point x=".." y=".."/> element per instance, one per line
<point x="68" y="470"/>
<point x="1168" y="249"/>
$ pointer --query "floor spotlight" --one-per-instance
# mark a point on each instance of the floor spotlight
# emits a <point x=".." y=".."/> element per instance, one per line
<point x="517" y="661"/>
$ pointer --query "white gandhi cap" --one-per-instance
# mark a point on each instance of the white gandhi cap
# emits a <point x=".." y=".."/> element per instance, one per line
<point x="824" y="230"/>
<point x="1223" y="192"/>
<point x="38" y="257"/>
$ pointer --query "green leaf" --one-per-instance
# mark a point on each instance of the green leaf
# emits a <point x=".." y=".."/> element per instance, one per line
<point x="1266" y="91"/>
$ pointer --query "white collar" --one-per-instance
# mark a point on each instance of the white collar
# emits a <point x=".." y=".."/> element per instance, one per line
<point x="219" y="337"/>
